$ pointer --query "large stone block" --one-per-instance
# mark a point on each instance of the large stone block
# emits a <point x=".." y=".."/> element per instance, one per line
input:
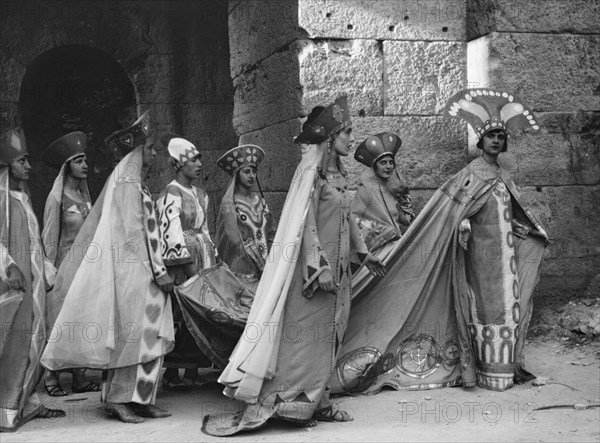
<point x="421" y="76"/>
<point x="354" y="67"/>
<point x="564" y="152"/>
<point x="433" y="148"/>
<point x="554" y="73"/>
<point x="282" y="155"/>
<point x="259" y="29"/>
<point x="570" y="216"/>
<point x="268" y="94"/>
<point x="540" y="16"/>
<point x="384" y="19"/>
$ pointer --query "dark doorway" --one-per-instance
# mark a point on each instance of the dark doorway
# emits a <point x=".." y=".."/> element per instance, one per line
<point x="73" y="88"/>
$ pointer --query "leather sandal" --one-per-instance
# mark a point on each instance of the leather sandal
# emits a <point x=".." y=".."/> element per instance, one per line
<point x="55" y="390"/>
<point x="332" y="414"/>
<point x="123" y="412"/>
<point x="51" y="413"/>
<point x="90" y="386"/>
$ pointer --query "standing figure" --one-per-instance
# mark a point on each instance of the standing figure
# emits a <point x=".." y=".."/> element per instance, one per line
<point x="282" y="365"/>
<point x="67" y="206"/>
<point x="381" y="215"/>
<point x="22" y="291"/>
<point x="245" y="228"/>
<point x="456" y="303"/>
<point x="186" y="248"/>
<point x="116" y="288"/>
<point x="503" y="242"/>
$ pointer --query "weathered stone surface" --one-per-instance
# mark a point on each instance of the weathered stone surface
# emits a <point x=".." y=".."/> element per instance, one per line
<point x="421" y="76"/>
<point x="282" y="155"/>
<point x="433" y="148"/>
<point x="582" y="316"/>
<point x="570" y="216"/>
<point x="384" y="19"/>
<point x="260" y="28"/>
<point x="11" y="72"/>
<point x="354" y="67"/>
<point x="554" y="73"/>
<point x="268" y="94"/>
<point x="565" y="151"/>
<point x="545" y="16"/>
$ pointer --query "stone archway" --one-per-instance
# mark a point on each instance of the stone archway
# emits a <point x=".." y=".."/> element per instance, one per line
<point x="73" y="88"/>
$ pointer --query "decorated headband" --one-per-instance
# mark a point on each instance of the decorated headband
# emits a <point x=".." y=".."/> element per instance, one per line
<point x="486" y="110"/>
<point x="240" y="157"/>
<point x="377" y="146"/>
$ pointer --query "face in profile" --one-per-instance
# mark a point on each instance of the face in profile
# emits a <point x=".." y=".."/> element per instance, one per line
<point x="148" y="152"/>
<point x="20" y="168"/>
<point x="341" y="141"/>
<point x="78" y="167"/>
<point x="192" y="169"/>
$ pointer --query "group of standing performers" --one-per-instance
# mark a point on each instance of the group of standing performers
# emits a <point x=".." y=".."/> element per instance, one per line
<point x="345" y="295"/>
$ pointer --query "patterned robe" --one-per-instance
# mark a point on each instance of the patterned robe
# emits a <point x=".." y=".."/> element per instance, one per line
<point x="184" y="239"/>
<point x="245" y="232"/>
<point x="443" y="316"/>
<point x="123" y="321"/>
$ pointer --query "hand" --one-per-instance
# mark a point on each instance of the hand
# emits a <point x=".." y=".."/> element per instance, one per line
<point x="15" y="279"/>
<point x="375" y="266"/>
<point x="464" y="233"/>
<point x="326" y="282"/>
<point x="165" y="283"/>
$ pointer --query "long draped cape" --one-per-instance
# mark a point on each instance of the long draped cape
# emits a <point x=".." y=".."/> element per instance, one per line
<point x="253" y="361"/>
<point x="410" y="328"/>
<point x="106" y="282"/>
<point x="21" y="311"/>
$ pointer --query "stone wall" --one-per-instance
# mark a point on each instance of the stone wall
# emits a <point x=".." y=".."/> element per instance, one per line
<point x="548" y="52"/>
<point x="399" y="61"/>
<point x="175" y="53"/>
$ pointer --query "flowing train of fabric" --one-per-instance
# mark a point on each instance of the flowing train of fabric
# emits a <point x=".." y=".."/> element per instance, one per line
<point x="215" y="305"/>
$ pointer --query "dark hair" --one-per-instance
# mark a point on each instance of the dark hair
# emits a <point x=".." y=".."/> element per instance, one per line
<point x="504" y="148"/>
<point x="68" y="170"/>
<point x="381" y="158"/>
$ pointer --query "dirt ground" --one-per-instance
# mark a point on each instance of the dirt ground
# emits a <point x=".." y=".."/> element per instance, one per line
<point x="570" y="364"/>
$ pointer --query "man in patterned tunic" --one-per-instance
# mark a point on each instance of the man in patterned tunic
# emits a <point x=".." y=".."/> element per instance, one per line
<point x="116" y="304"/>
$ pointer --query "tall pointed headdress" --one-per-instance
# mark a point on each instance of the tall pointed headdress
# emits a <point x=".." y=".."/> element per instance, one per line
<point x="65" y="148"/>
<point x="12" y="145"/>
<point x="486" y="110"/>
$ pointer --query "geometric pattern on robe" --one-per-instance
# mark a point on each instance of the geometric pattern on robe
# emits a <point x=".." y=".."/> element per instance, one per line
<point x="410" y="329"/>
<point x="185" y="239"/>
<point x="23" y="330"/>
<point x="244" y="234"/>
<point x="314" y="321"/>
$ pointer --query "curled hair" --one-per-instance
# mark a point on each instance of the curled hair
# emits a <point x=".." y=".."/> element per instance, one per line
<point x="176" y="164"/>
